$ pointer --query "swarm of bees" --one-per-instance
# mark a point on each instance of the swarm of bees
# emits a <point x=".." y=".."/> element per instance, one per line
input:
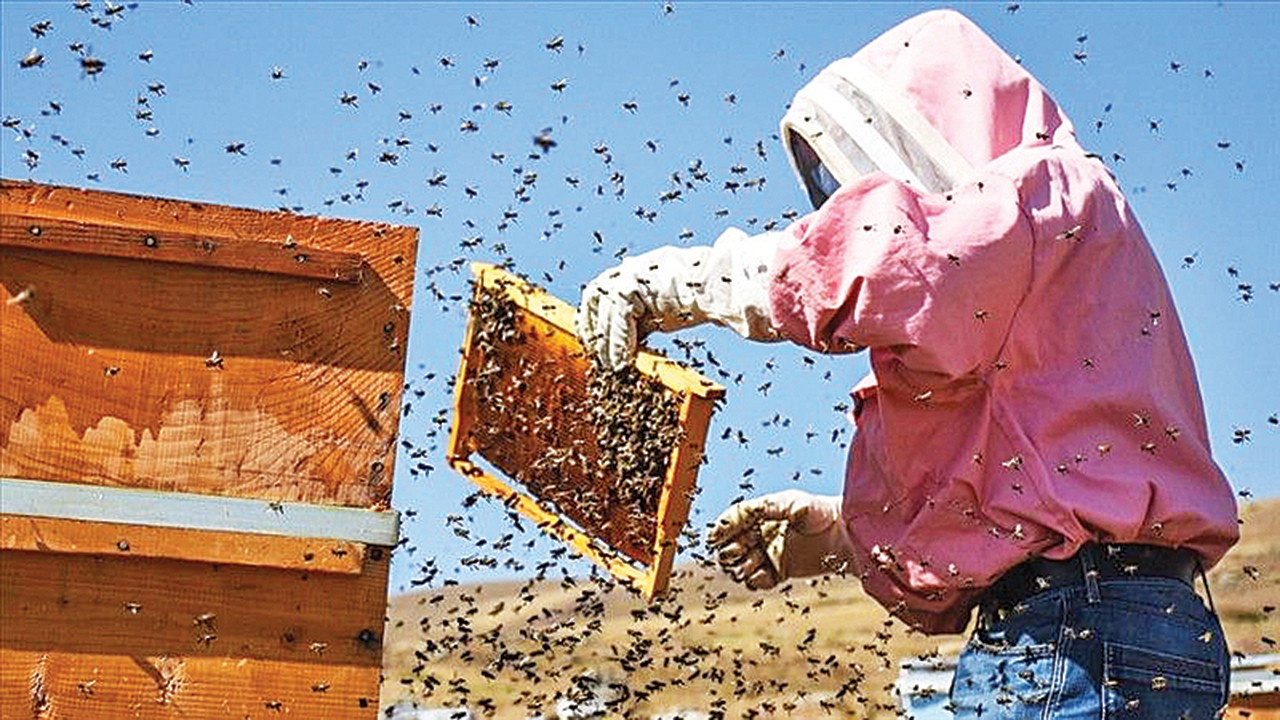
<point x="569" y="638"/>
<point x="592" y="442"/>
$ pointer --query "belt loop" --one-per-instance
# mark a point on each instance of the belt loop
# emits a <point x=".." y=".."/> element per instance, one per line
<point x="1089" y="564"/>
<point x="1204" y="579"/>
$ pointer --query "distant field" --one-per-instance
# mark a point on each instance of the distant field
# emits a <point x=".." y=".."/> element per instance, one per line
<point x="821" y="645"/>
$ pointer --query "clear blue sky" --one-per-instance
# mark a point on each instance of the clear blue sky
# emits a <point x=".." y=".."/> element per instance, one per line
<point x="215" y="60"/>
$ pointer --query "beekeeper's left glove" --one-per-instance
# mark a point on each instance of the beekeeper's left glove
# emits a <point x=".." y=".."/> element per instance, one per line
<point x="672" y="288"/>
<point x="788" y="534"/>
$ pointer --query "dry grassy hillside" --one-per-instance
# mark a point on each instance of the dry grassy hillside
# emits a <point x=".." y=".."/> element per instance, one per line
<point x="516" y="648"/>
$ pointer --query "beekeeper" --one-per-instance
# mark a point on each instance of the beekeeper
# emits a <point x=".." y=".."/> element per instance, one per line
<point x="1031" y="439"/>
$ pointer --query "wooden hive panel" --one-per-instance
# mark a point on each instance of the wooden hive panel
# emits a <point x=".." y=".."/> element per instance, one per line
<point x="523" y="404"/>
<point x="112" y="308"/>
<point x="198" y="417"/>
<point x="90" y="636"/>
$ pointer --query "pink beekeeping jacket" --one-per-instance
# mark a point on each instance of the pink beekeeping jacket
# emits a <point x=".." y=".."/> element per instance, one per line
<point x="1031" y="387"/>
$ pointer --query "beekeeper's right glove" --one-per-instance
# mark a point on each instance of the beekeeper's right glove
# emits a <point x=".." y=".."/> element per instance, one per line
<point x="672" y="288"/>
<point x="788" y="534"/>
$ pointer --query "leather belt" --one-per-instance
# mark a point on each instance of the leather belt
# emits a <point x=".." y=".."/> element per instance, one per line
<point x="1108" y="561"/>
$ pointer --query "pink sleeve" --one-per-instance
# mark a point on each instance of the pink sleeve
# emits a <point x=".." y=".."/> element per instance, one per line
<point x="936" y="278"/>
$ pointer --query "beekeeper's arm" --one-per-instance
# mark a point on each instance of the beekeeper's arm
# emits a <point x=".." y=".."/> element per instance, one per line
<point x="930" y="282"/>
<point x="673" y="288"/>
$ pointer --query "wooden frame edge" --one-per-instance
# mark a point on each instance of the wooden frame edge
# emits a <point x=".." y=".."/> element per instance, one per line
<point x="560" y="314"/>
<point x="550" y="523"/>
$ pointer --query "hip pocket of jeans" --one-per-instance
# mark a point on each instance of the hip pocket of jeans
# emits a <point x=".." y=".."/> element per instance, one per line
<point x="1005" y="681"/>
<point x="1142" y="683"/>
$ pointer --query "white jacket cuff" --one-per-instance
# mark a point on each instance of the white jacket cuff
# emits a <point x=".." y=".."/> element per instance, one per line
<point x="737" y="272"/>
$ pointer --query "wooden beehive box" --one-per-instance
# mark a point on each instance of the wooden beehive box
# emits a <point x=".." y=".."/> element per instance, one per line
<point x="198" y="416"/>
<point x="522" y="404"/>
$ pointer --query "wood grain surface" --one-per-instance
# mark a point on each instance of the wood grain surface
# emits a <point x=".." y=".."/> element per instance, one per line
<point x="220" y="380"/>
<point x="57" y="535"/>
<point x="85" y="636"/>
<point x="283" y="257"/>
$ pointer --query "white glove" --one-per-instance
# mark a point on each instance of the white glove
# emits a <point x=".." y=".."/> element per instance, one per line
<point x="788" y="534"/>
<point x="672" y="288"/>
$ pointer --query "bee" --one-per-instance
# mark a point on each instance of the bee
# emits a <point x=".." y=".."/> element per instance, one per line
<point x="560" y="84"/>
<point x="555" y="44"/>
<point x="347" y="98"/>
<point x="32" y="59"/>
<point x="92" y="66"/>
<point x="214" y="360"/>
<point x="1070" y="234"/>
<point x="543" y="140"/>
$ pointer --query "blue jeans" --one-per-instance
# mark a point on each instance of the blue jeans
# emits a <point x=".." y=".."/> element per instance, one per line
<point x="1124" y="649"/>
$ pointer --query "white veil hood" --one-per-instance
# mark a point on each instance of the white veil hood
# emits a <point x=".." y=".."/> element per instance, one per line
<point x="928" y="102"/>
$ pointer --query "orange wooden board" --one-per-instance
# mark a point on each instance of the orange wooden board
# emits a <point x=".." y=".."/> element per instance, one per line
<point x="110" y="374"/>
<point x="58" y="535"/>
<point x="139" y="630"/>
<point x="70" y="686"/>
<point x="282" y="258"/>
<point x="1253" y="708"/>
